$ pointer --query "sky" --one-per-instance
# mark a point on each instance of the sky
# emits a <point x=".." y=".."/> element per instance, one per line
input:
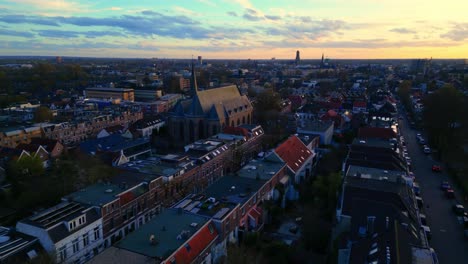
<point x="235" y="29"/>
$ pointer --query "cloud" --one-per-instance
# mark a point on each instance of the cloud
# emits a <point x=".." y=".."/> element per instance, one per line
<point x="252" y="15"/>
<point x="403" y="31"/>
<point x="147" y="24"/>
<point x="459" y="32"/>
<point x="14" y="33"/>
<point x="231" y="13"/>
<point x="273" y="17"/>
<point x="22" y="19"/>
<point x="65" y="34"/>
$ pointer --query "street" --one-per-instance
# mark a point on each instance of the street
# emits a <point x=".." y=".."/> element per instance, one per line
<point x="447" y="232"/>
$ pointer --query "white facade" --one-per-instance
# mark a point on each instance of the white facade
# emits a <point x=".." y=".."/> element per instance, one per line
<point x="77" y="246"/>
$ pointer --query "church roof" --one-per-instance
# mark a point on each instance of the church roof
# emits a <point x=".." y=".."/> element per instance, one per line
<point x="215" y="103"/>
<point x="210" y="97"/>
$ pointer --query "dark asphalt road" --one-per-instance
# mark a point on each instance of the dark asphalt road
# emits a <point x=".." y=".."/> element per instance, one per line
<point x="447" y="232"/>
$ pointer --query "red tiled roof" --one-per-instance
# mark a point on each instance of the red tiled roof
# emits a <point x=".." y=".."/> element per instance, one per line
<point x="293" y="152"/>
<point x="359" y="104"/>
<point x="240" y="131"/>
<point x="376" y="132"/>
<point x="197" y="244"/>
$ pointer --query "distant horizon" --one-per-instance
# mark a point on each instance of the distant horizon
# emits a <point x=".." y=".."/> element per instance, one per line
<point x="231" y="29"/>
<point x="214" y="59"/>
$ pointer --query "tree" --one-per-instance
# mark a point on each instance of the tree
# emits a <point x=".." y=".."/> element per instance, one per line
<point x="268" y="100"/>
<point x="42" y="114"/>
<point x="404" y="90"/>
<point x="444" y="112"/>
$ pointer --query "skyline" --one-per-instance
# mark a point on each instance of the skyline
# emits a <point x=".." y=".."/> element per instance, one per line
<point x="363" y="29"/>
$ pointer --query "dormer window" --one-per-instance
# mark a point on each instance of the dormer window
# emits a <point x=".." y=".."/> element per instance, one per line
<point x="77" y="222"/>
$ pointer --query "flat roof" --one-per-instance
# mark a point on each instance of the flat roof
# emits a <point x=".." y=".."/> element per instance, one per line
<point x="97" y="194"/>
<point x="264" y="169"/>
<point x="167" y="228"/>
<point x="374" y="173"/>
<point x="373" y="142"/>
<point x="110" y="89"/>
<point x="315" y="126"/>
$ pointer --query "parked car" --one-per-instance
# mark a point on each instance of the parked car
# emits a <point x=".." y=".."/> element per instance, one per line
<point x="436" y="168"/>
<point x="458" y="209"/>
<point x="445" y="185"/>
<point x="427" y="150"/>
<point x="450" y="193"/>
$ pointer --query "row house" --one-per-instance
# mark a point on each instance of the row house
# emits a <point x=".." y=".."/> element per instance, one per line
<point x="378" y="213"/>
<point x="125" y="203"/>
<point x="173" y="236"/>
<point x="73" y="133"/>
<point x="212" y="156"/>
<point x="246" y="148"/>
<point x="69" y="231"/>
<point x="11" y="138"/>
<point x="234" y="202"/>
<point x="145" y="127"/>
<point x="178" y="173"/>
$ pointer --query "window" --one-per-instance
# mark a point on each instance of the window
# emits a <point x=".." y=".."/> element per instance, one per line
<point x="85" y="240"/>
<point x="187" y="246"/>
<point x="76" y="245"/>
<point x="97" y="233"/>
<point x="63" y="253"/>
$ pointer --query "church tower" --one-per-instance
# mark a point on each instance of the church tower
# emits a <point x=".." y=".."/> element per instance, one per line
<point x="298" y="57"/>
<point x="193" y="81"/>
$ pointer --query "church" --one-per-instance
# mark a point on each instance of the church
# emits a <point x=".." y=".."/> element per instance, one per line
<point x="208" y="112"/>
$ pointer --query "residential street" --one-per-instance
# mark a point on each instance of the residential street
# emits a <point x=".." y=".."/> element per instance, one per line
<point x="447" y="231"/>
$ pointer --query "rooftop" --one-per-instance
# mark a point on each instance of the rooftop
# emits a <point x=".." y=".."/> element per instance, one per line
<point x="315" y="126"/>
<point x="294" y="153"/>
<point x="110" y="89"/>
<point x="373" y="142"/>
<point x="374" y="173"/>
<point x="164" y="166"/>
<point x="171" y="229"/>
<point x="97" y="194"/>
<point x="262" y="169"/>
<point x="112" y="143"/>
